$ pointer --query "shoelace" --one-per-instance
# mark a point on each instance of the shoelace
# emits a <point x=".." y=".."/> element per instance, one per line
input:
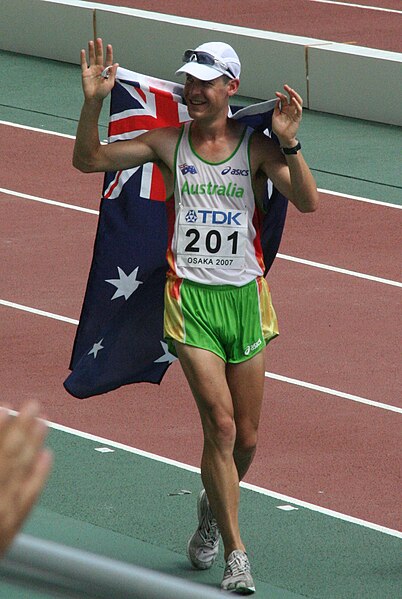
<point x="209" y="530"/>
<point x="237" y="565"/>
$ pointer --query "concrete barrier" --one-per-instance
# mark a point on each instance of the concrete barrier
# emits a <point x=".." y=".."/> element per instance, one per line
<point x="336" y="78"/>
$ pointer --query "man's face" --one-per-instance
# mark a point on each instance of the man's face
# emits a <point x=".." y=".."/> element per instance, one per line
<point x="206" y="98"/>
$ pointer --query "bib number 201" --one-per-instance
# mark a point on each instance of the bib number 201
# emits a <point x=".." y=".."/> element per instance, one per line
<point x="213" y="241"/>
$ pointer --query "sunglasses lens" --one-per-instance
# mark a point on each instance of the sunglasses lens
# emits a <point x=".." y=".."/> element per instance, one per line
<point x="200" y="57"/>
<point x="205" y="58"/>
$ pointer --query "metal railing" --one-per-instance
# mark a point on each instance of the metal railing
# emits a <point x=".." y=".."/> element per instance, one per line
<point x="68" y="572"/>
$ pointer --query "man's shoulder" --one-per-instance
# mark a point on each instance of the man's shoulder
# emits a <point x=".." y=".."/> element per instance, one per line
<point x="261" y="143"/>
<point x="165" y="135"/>
<point x="163" y="141"/>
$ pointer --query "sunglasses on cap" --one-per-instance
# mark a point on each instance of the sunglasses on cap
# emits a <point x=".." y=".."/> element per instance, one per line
<point x="206" y="59"/>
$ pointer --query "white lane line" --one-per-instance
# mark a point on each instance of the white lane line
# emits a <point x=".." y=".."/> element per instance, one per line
<point x="38" y="312"/>
<point x="328" y="391"/>
<point x="279" y="255"/>
<point x="250" y="487"/>
<point x="36" y="129"/>
<point x="359" y="198"/>
<point x="26" y="196"/>
<point x="363" y="6"/>
<point x="271" y="375"/>
<point x="342" y="271"/>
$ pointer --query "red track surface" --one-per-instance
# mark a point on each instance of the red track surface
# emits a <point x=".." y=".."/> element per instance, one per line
<point x="331" y="22"/>
<point x="337" y="331"/>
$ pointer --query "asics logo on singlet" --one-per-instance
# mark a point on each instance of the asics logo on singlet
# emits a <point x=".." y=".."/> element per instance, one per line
<point x="215" y="217"/>
<point x="252" y="347"/>
<point x="187" y="168"/>
<point x="228" y="170"/>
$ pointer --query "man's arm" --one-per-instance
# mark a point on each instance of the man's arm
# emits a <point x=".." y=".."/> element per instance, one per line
<point x="290" y="172"/>
<point x="89" y="154"/>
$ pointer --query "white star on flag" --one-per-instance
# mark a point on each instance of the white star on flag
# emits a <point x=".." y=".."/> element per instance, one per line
<point x="125" y="284"/>
<point x="167" y="356"/>
<point x="96" y="348"/>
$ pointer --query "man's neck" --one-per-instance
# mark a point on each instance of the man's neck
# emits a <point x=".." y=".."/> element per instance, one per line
<point x="217" y="142"/>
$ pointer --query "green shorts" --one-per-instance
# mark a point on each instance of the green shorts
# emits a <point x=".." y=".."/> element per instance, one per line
<point x="233" y="322"/>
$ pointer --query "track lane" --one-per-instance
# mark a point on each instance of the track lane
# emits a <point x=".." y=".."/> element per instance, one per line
<point x="38" y="352"/>
<point x="357" y="236"/>
<point x="352" y="336"/>
<point x="355" y="472"/>
<point x="48" y="171"/>
<point x="337" y="23"/>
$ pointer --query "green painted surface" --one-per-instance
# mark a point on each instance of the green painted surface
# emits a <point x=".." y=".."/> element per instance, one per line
<point x="119" y="505"/>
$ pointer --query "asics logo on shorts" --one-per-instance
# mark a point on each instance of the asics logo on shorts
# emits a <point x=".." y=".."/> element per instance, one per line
<point x="252" y="347"/>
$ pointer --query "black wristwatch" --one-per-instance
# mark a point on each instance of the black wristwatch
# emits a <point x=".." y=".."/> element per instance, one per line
<point x="293" y="150"/>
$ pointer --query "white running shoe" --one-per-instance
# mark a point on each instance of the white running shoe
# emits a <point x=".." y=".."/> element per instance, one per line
<point x="203" y="546"/>
<point x="237" y="576"/>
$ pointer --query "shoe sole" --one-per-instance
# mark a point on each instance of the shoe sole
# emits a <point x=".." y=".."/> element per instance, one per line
<point x="241" y="590"/>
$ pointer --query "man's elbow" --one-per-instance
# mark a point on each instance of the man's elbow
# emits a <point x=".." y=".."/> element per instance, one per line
<point x="310" y="206"/>
<point x="309" y="203"/>
<point x="85" y="166"/>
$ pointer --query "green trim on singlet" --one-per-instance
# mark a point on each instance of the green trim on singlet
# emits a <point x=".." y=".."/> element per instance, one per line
<point x="176" y="151"/>
<point x="222" y="161"/>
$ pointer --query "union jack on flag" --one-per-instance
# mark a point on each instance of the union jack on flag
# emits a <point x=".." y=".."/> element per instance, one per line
<point x="119" y="339"/>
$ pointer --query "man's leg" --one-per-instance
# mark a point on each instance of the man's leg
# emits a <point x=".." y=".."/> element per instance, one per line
<point x="246" y="384"/>
<point x="206" y="375"/>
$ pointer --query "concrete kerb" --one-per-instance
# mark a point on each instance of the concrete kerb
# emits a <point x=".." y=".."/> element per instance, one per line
<point x="334" y="78"/>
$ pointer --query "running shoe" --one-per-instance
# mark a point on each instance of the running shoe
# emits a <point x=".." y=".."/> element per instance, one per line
<point x="203" y="546"/>
<point x="237" y="576"/>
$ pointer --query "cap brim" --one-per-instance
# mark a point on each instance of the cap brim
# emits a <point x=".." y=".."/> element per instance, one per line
<point x="200" y="71"/>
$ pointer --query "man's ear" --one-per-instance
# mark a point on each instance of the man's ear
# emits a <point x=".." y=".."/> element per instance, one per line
<point x="233" y="86"/>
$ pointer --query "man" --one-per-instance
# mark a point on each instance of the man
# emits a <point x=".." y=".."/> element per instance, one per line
<point x="218" y="311"/>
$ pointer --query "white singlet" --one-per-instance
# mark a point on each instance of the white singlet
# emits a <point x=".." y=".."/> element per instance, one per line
<point x="216" y="237"/>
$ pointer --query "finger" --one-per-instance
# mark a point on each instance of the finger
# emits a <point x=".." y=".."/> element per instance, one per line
<point x="83" y="59"/>
<point x="282" y="97"/>
<point x="297" y="106"/>
<point x="4" y="419"/>
<point x="34" y="484"/>
<point x="99" y="51"/>
<point x="293" y="94"/>
<point x="109" y="55"/>
<point x="21" y="429"/>
<point x="91" y="52"/>
<point x="278" y="107"/>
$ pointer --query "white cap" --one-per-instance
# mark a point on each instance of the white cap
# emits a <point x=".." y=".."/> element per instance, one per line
<point x="227" y="62"/>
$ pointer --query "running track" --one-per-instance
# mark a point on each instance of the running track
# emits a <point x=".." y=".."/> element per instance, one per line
<point x="338" y="331"/>
<point x="371" y="23"/>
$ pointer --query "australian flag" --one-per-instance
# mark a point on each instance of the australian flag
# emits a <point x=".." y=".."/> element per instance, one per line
<point x="119" y="339"/>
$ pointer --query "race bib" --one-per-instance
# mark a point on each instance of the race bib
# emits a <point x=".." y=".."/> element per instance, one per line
<point x="211" y="238"/>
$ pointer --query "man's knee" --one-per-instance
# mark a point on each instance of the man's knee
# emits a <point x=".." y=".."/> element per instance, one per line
<point x="220" y="429"/>
<point x="246" y="442"/>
